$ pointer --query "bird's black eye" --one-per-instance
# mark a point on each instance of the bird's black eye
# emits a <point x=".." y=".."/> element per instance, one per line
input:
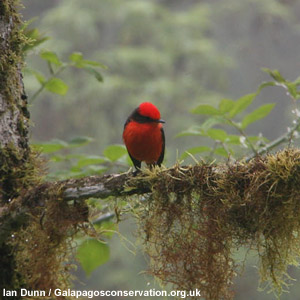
<point x="142" y="119"/>
<point x="137" y="117"/>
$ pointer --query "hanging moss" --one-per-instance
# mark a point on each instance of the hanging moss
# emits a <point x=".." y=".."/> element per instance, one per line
<point x="44" y="248"/>
<point x="196" y="217"/>
<point x="16" y="176"/>
<point x="39" y="241"/>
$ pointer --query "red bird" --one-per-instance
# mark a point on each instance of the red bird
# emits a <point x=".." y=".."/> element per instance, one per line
<point x="144" y="136"/>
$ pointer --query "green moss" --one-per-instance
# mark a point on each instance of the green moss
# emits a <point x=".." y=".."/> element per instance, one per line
<point x="3" y="8"/>
<point x="8" y="8"/>
<point x="11" y="59"/>
<point x="18" y="172"/>
<point x="43" y="242"/>
<point x="44" y="258"/>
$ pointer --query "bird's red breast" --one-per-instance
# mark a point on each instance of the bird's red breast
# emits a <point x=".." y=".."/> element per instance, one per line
<point x="144" y="141"/>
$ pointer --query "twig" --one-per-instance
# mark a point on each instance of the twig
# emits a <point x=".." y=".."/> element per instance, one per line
<point x="43" y="85"/>
<point x="105" y="217"/>
<point x="241" y="131"/>
<point x="283" y="138"/>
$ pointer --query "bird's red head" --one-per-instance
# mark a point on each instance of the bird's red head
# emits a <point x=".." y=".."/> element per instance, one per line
<point x="147" y="109"/>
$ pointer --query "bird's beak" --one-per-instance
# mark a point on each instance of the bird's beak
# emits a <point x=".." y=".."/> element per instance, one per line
<point x="160" y="121"/>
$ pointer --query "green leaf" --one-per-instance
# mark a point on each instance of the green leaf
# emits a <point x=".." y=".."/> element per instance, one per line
<point x="193" y="130"/>
<point x="57" y="86"/>
<point x="52" y="146"/>
<point x="73" y="155"/>
<point x="95" y="73"/>
<point x="91" y="254"/>
<point x="292" y="88"/>
<point x="35" y="38"/>
<point x="94" y="170"/>
<point x="258" y="138"/>
<point x="257" y="114"/>
<point x="94" y="64"/>
<point x="241" y="104"/>
<point x="221" y="151"/>
<point x="297" y="81"/>
<point x="217" y="134"/>
<point x="210" y="122"/>
<point x="275" y="74"/>
<point x="114" y="152"/>
<point x="233" y="139"/>
<point x="51" y="57"/>
<point x="76" y="57"/>
<point x="67" y="157"/>
<point x="39" y="76"/>
<point x="226" y="105"/>
<point x="80" y="141"/>
<point x="195" y="150"/>
<point x="90" y="160"/>
<point x="265" y="84"/>
<point x="106" y="228"/>
<point x="27" y="23"/>
<point x="57" y="158"/>
<point x="205" y="109"/>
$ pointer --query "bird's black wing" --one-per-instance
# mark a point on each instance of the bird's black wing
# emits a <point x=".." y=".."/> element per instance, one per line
<point x="127" y="121"/>
<point x="137" y="164"/>
<point x="162" y="154"/>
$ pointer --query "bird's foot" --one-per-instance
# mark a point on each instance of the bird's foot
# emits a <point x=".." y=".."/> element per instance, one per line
<point x="136" y="172"/>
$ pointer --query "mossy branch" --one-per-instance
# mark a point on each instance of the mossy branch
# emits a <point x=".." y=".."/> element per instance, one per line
<point x="194" y="214"/>
<point x="15" y="213"/>
<point x="126" y="184"/>
<point x="104" y="186"/>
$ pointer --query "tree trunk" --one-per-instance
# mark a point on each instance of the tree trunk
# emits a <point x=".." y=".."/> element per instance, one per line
<point x="14" y="115"/>
<point x="16" y="167"/>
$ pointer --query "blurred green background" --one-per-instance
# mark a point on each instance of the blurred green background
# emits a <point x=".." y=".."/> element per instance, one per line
<point x="176" y="54"/>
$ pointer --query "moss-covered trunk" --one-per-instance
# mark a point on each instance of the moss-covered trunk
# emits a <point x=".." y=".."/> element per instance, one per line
<point x="16" y="164"/>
